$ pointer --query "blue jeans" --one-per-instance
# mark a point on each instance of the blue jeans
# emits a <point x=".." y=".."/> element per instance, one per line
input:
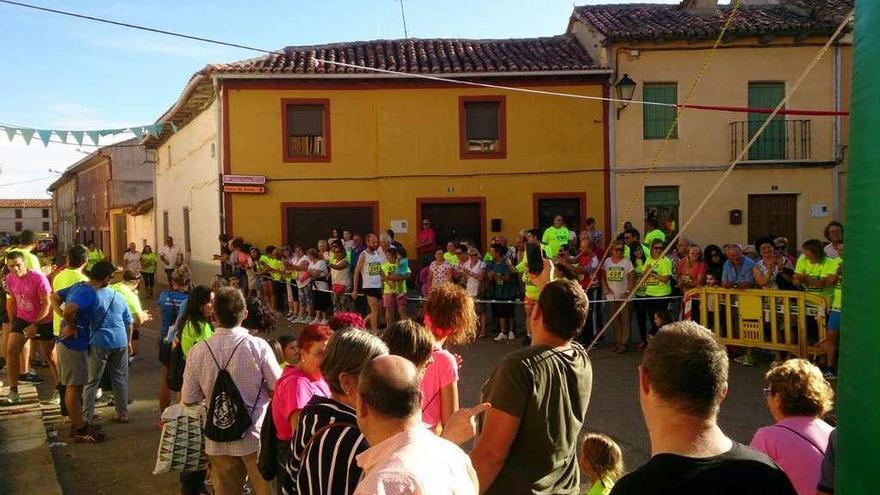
<point x="115" y="361"/>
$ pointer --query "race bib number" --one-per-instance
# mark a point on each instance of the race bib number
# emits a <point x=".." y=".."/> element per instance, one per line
<point x="615" y="274"/>
<point x="374" y="268"/>
<point x="652" y="279"/>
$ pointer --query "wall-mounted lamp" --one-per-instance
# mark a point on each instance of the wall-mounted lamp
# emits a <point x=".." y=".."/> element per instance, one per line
<point x="625" y="88"/>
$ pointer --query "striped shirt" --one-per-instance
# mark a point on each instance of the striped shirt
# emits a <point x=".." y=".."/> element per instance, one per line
<point x="329" y="464"/>
<point x="254" y="370"/>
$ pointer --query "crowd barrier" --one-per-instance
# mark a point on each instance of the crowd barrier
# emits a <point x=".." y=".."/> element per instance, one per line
<point x="778" y="320"/>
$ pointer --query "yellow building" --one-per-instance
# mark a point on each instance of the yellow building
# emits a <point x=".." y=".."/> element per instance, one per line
<point x="345" y="148"/>
<point x="791" y="181"/>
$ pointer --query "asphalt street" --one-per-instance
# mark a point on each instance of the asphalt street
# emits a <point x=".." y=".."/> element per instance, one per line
<point x="124" y="464"/>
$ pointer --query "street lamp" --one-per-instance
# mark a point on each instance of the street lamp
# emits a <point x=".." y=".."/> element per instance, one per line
<point x="625" y="88"/>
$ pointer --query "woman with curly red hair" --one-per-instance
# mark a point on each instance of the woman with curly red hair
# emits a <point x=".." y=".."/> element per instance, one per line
<point x="451" y="318"/>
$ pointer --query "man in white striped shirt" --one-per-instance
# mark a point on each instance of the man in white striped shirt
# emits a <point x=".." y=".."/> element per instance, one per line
<point x="254" y="369"/>
<point x="327" y="437"/>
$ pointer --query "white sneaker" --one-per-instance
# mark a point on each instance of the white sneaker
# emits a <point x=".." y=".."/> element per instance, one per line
<point x="511" y="336"/>
<point x="56" y="399"/>
<point x="323" y="321"/>
<point x="500" y="337"/>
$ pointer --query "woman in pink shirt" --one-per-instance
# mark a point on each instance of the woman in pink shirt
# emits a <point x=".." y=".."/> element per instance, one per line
<point x="451" y="318"/>
<point x="297" y="385"/>
<point x="798" y="396"/>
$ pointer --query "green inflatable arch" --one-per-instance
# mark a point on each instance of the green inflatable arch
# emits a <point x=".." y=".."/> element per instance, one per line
<point x="859" y="387"/>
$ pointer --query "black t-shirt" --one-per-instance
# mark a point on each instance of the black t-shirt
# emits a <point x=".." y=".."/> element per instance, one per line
<point x="740" y="470"/>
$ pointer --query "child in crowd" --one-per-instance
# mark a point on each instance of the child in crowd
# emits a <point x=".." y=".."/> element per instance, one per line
<point x="663" y="317"/>
<point x="602" y="462"/>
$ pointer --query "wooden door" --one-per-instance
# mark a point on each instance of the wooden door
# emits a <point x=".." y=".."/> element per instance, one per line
<point x="773" y="215"/>
<point x="455" y="221"/>
<point x="305" y="225"/>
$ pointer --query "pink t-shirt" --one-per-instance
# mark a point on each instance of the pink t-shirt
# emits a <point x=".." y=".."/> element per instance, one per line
<point x="797" y="456"/>
<point x="440" y="373"/>
<point x="292" y="392"/>
<point x="28" y="292"/>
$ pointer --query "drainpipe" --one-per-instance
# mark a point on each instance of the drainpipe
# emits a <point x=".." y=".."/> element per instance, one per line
<point x="835" y="178"/>
<point x="612" y="156"/>
<point x="218" y="151"/>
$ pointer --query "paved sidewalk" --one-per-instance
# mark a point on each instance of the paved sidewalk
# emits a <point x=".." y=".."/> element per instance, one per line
<point x="25" y="459"/>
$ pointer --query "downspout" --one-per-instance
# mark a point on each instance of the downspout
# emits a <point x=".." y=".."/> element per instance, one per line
<point x="612" y="157"/>
<point x="219" y="151"/>
<point x="835" y="142"/>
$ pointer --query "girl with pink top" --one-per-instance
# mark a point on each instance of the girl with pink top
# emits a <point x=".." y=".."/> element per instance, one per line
<point x="451" y="318"/>
<point x="798" y="396"/>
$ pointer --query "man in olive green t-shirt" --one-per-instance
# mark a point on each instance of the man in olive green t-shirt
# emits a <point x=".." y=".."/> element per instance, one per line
<point x="539" y="398"/>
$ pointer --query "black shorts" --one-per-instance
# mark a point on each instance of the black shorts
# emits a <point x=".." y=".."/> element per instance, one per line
<point x="373" y="292"/>
<point x="164" y="352"/>
<point x="44" y="330"/>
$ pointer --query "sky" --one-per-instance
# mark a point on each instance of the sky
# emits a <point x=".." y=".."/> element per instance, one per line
<point x="66" y="73"/>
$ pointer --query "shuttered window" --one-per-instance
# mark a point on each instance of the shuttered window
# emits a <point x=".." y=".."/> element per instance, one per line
<point x="657" y="119"/>
<point x="482" y="127"/>
<point x="306" y="129"/>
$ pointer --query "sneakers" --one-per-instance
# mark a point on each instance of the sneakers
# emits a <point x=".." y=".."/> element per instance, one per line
<point x="511" y="335"/>
<point x="745" y="360"/>
<point x="13" y="400"/>
<point x="501" y="336"/>
<point x="829" y="374"/>
<point x="88" y="434"/>
<point x="30" y="377"/>
<point x="56" y="399"/>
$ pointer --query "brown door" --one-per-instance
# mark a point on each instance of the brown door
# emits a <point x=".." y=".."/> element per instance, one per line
<point x="455" y="221"/>
<point x="773" y="215"/>
<point x="569" y="208"/>
<point x="308" y="224"/>
<point x="119" y="225"/>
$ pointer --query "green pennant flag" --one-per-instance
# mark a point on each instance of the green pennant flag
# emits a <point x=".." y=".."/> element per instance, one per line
<point x="154" y="130"/>
<point x="62" y="135"/>
<point x="137" y="131"/>
<point x="27" y="134"/>
<point x="173" y="127"/>
<point x="95" y="136"/>
<point x="10" y="132"/>
<point x="77" y="136"/>
<point x="45" y="136"/>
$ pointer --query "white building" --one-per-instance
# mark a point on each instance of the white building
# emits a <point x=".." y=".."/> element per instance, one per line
<point x="17" y="215"/>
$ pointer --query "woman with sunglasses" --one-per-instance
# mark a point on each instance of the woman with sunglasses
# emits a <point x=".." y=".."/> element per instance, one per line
<point x="472" y="270"/>
<point x="714" y="258"/>
<point x="617" y="281"/>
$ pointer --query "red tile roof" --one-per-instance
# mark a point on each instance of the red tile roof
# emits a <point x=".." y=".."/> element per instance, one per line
<point x="423" y="56"/>
<point x="632" y="22"/>
<point x="25" y="203"/>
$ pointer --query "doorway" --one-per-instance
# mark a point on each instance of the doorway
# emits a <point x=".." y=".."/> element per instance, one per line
<point x="572" y="207"/>
<point x="306" y="223"/>
<point x="455" y="219"/>
<point x="120" y="232"/>
<point x="773" y="215"/>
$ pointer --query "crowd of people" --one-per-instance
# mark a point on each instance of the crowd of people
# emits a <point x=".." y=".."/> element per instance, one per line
<point x="355" y="404"/>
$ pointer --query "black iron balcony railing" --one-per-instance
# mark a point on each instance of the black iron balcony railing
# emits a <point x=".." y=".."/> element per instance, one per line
<point x="781" y="140"/>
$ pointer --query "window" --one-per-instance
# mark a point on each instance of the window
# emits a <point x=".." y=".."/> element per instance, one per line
<point x="657" y="119"/>
<point x="45" y="226"/>
<point x="661" y="204"/>
<point x="186" y="240"/>
<point x="18" y="227"/>
<point x="45" y="213"/>
<point x="771" y="144"/>
<point x="165" y="227"/>
<point x="306" y="127"/>
<point x="17" y="213"/>
<point x="482" y="127"/>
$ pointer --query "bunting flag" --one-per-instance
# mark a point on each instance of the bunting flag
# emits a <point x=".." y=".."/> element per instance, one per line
<point x="45" y="135"/>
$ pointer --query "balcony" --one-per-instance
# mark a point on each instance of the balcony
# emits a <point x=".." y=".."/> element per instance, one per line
<point x="781" y="140"/>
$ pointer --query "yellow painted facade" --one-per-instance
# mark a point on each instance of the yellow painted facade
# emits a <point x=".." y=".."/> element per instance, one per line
<point x="395" y="145"/>
<point x="703" y="146"/>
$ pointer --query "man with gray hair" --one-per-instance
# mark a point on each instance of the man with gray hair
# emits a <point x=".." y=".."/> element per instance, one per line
<point x="404" y="458"/>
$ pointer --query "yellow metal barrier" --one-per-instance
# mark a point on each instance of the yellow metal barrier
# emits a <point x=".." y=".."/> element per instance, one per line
<point x="779" y="320"/>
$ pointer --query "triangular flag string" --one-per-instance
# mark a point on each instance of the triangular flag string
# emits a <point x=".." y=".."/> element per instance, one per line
<point x="94" y="136"/>
<point x="154" y="130"/>
<point x="10" y="132"/>
<point x="27" y="134"/>
<point x="45" y="136"/>
<point x="62" y="135"/>
<point x="77" y="136"/>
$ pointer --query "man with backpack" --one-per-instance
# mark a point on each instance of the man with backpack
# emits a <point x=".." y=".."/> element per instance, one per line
<point x="236" y="373"/>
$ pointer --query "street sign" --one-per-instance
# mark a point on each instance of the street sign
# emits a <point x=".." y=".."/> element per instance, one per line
<point x="244" y="179"/>
<point x="250" y="189"/>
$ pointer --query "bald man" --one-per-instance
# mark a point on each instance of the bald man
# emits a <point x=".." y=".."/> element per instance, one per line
<point x="405" y="458"/>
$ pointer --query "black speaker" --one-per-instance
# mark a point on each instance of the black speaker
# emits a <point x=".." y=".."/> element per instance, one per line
<point x="496" y="225"/>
